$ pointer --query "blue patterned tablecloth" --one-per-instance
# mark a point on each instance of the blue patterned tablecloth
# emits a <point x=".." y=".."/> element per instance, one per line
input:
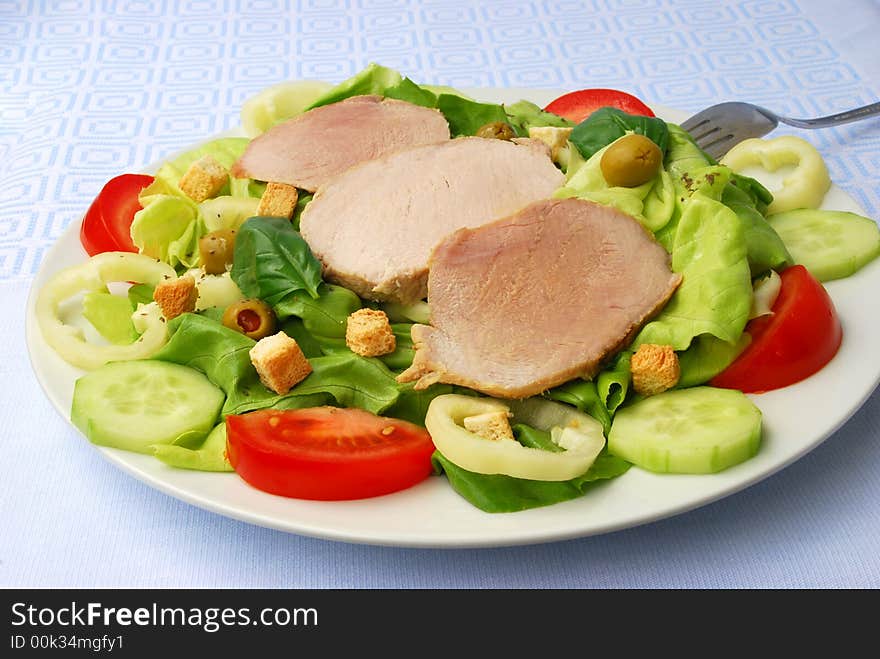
<point x="91" y="89"/>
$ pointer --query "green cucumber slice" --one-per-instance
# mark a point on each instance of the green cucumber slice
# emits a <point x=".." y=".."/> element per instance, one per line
<point x="701" y="430"/>
<point x="831" y="244"/>
<point x="138" y="404"/>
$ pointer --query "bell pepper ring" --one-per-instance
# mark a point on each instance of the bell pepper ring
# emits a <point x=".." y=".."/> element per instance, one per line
<point x="805" y="187"/>
<point x="94" y="275"/>
<point x="579" y="435"/>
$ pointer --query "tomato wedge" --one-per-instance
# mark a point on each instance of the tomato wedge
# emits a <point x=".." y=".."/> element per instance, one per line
<point x="798" y="339"/>
<point x="327" y="453"/>
<point x="106" y="226"/>
<point x="577" y="106"/>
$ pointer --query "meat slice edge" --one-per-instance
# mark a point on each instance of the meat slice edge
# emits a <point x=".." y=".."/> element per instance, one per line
<point x="374" y="226"/>
<point x="539" y="298"/>
<point x="312" y="148"/>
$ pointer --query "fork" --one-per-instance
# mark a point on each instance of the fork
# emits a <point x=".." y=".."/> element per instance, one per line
<point x="717" y="128"/>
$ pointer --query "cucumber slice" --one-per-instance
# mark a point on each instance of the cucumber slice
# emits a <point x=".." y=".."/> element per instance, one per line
<point x="701" y="430"/>
<point x="831" y="244"/>
<point x="137" y="404"/>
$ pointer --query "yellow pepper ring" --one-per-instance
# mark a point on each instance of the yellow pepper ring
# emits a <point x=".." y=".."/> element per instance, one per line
<point x="579" y="434"/>
<point x="805" y="187"/>
<point x="94" y="275"/>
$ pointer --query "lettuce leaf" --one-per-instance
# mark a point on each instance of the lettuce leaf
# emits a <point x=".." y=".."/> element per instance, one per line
<point x="196" y="452"/>
<point x="496" y="493"/>
<point x="523" y="115"/>
<point x="584" y="395"/>
<point x="707" y="357"/>
<point x="168" y="229"/>
<point x="220" y="353"/>
<point x="407" y="90"/>
<point x="374" y="79"/>
<point x="466" y="117"/>
<point x="111" y="316"/>
<point x="225" y="150"/>
<point x="716" y="290"/>
<point x="652" y="203"/>
<point x="324" y="316"/>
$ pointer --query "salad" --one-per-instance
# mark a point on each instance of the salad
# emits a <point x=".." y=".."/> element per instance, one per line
<point x="216" y="274"/>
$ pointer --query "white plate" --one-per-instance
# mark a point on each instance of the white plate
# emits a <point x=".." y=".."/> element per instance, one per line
<point x="796" y="420"/>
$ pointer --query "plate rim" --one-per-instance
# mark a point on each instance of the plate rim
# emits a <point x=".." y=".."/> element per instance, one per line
<point x="128" y="462"/>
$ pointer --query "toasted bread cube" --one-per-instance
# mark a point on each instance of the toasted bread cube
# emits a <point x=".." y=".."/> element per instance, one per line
<point x="368" y="333"/>
<point x="553" y="136"/>
<point x="279" y="200"/>
<point x="280" y="362"/>
<point x="176" y="296"/>
<point x="490" y="425"/>
<point x="204" y="179"/>
<point x="654" y="368"/>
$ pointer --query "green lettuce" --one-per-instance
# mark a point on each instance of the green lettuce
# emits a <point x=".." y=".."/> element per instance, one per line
<point x="682" y="153"/>
<point x="374" y="79"/>
<point x="196" y="451"/>
<point x="612" y="384"/>
<point x="496" y="493"/>
<point x="706" y="357"/>
<point x="412" y="404"/>
<point x="225" y="150"/>
<point x="222" y="354"/>
<point x="716" y="290"/>
<point x="652" y="203"/>
<point x="584" y="395"/>
<point x="140" y="294"/>
<point x="324" y="316"/>
<point x="111" y="316"/>
<point x="168" y="229"/>
<point x="523" y="115"/>
<point x="466" y="117"/>
<point x="407" y="90"/>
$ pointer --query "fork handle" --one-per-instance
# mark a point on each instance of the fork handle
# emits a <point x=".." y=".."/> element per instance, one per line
<point x="835" y="119"/>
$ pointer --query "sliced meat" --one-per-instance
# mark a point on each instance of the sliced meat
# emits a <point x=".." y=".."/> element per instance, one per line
<point x="539" y="298"/>
<point x="310" y="149"/>
<point x="375" y="225"/>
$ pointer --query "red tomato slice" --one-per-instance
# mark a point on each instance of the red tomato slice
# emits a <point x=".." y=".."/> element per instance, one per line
<point x="327" y="453"/>
<point x="801" y="336"/>
<point x="577" y="106"/>
<point x="106" y="226"/>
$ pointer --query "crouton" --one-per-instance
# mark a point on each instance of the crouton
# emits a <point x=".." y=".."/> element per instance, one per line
<point x="368" y="333"/>
<point x="654" y="369"/>
<point x="279" y="200"/>
<point x="204" y="179"/>
<point x="491" y="425"/>
<point x="280" y="362"/>
<point x="553" y="136"/>
<point x="176" y="296"/>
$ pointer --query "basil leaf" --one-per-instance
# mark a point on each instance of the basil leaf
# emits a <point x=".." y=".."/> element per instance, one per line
<point x="271" y="261"/>
<point x="608" y="124"/>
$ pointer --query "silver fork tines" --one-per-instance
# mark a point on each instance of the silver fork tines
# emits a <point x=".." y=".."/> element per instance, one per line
<point x="719" y="127"/>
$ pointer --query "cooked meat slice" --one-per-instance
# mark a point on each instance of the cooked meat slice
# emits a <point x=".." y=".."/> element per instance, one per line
<point x="375" y="225"/>
<point x="308" y="150"/>
<point x="539" y="298"/>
